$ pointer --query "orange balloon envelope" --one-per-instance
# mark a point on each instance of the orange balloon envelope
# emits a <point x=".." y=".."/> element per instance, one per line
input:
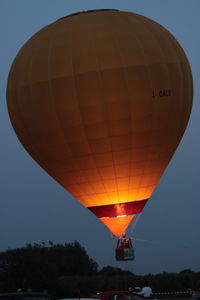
<point x="101" y="100"/>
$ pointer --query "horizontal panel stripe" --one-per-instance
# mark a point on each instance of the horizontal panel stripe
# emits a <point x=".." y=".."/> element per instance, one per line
<point x="120" y="209"/>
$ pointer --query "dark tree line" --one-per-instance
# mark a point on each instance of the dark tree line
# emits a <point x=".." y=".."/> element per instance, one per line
<point x="39" y="267"/>
<point x="64" y="270"/>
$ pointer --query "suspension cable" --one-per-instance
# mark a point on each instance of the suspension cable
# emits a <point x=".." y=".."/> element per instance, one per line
<point x="134" y="223"/>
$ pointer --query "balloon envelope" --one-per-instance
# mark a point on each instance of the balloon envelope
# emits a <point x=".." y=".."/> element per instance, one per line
<point x="101" y="100"/>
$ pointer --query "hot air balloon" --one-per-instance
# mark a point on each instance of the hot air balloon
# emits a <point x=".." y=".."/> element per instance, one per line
<point x="100" y="99"/>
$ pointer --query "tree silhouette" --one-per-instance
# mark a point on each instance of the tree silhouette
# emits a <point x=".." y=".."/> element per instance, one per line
<point x="66" y="270"/>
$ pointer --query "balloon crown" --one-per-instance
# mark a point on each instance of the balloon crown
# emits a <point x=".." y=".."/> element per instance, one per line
<point x="87" y="11"/>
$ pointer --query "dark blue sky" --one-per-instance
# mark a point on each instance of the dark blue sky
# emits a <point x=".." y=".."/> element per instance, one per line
<point x="34" y="208"/>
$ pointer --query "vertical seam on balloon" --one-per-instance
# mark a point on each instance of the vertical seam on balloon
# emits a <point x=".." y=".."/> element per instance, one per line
<point x="30" y="84"/>
<point x="116" y="41"/>
<point x="101" y="79"/>
<point x="92" y="154"/>
<point x="50" y="82"/>
<point x="97" y="168"/>
<point x="149" y="73"/>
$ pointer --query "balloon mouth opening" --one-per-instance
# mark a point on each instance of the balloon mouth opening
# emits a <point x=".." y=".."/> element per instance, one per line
<point x="87" y="11"/>
<point x="115" y="216"/>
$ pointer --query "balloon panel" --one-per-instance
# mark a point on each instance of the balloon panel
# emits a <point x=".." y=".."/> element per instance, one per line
<point x="101" y="100"/>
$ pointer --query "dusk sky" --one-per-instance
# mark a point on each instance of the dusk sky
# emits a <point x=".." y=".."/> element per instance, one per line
<point x="35" y="209"/>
